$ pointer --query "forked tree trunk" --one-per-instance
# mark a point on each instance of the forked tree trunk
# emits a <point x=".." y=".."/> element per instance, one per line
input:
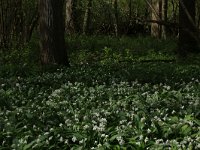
<point x="53" y="49"/>
<point x="188" y="38"/>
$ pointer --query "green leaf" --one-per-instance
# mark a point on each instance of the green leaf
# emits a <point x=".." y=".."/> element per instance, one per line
<point x="115" y="136"/>
<point x="29" y="115"/>
<point x="197" y="122"/>
<point x="28" y="146"/>
<point x="185" y="129"/>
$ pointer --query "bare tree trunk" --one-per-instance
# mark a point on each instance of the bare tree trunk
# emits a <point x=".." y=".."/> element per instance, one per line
<point x="115" y="17"/>
<point x="164" y="18"/>
<point x="156" y="10"/>
<point x="7" y="13"/>
<point x="69" y="21"/>
<point x="188" y="39"/>
<point x="130" y="12"/>
<point x="1" y="24"/>
<point x="130" y="21"/>
<point x="53" y="49"/>
<point x="87" y="18"/>
<point x="16" y="22"/>
<point x="198" y="14"/>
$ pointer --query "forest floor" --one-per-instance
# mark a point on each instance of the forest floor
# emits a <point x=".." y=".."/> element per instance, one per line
<point x="119" y="93"/>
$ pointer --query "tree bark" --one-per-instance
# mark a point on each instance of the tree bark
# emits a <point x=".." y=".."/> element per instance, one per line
<point x="69" y="19"/>
<point x="164" y="18"/>
<point x="53" y="49"/>
<point x="188" y="38"/>
<point x="130" y="12"/>
<point x="156" y="10"/>
<point x="115" y="17"/>
<point x="87" y="18"/>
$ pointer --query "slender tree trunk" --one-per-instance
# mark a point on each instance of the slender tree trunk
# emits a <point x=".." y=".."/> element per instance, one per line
<point x="198" y="14"/>
<point x="188" y="39"/>
<point x="198" y="24"/>
<point x="164" y="18"/>
<point x="130" y="12"/>
<point x="53" y="49"/>
<point x="130" y="21"/>
<point x="1" y="25"/>
<point x="115" y="17"/>
<point x="69" y="19"/>
<point x="156" y="10"/>
<point x="87" y="18"/>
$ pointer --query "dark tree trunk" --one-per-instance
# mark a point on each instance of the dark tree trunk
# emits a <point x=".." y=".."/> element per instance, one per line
<point x="188" y="39"/>
<point x="164" y="18"/>
<point x="130" y="12"/>
<point x="16" y="23"/>
<point x="53" y="49"/>
<point x="115" y="18"/>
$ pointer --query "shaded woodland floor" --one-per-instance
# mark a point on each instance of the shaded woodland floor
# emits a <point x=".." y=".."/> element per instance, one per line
<point x="119" y="93"/>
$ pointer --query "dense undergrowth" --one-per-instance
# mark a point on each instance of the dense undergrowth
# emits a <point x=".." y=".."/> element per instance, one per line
<point x="118" y="94"/>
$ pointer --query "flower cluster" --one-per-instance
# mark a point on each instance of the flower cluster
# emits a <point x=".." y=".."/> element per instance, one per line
<point x="75" y="115"/>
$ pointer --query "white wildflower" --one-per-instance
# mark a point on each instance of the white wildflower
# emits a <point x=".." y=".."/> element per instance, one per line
<point x="148" y="130"/>
<point x="85" y="127"/>
<point x="198" y="146"/>
<point x="142" y="119"/>
<point x="99" y="145"/>
<point x="95" y="127"/>
<point x="46" y="133"/>
<point x="173" y="112"/>
<point x="81" y="141"/>
<point x="146" y="139"/>
<point x="50" y="138"/>
<point x="66" y="141"/>
<point x="74" y="139"/>
<point x="120" y="140"/>
<point x="141" y="137"/>
<point x="61" y="139"/>
<point x="137" y="143"/>
<point x="47" y="142"/>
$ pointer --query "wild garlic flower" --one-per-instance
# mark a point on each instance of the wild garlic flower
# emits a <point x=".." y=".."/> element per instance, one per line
<point x="120" y="140"/>
<point x="61" y="139"/>
<point x="74" y="139"/>
<point x="85" y="127"/>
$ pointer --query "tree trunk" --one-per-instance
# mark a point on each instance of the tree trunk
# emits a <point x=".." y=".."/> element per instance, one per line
<point x="69" y="19"/>
<point x="115" y="17"/>
<point x="87" y="18"/>
<point x="188" y="38"/>
<point x="7" y="22"/>
<point x="164" y="18"/>
<point x="130" y="12"/>
<point x="156" y="10"/>
<point x="53" y="49"/>
<point x="16" y="23"/>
